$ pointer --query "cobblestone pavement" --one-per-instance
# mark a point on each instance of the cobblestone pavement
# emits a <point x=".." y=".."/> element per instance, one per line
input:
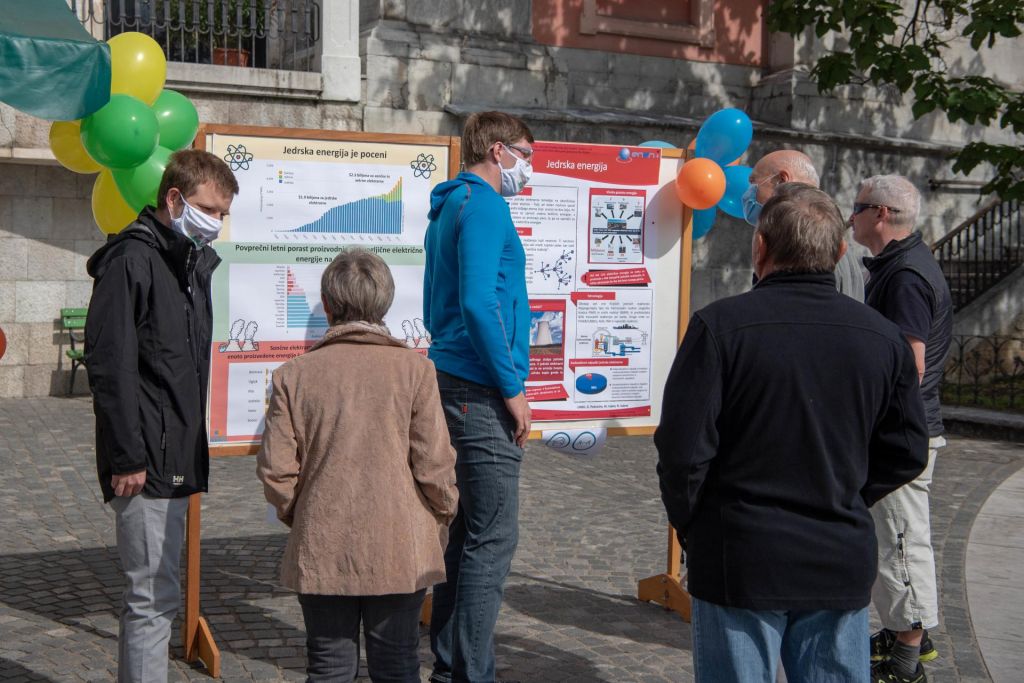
<point x="590" y="530"/>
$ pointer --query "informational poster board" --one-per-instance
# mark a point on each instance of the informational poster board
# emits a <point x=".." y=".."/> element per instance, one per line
<point x="600" y="224"/>
<point x="302" y="196"/>
<point x="608" y="276"/>
<point x="601" y="230"/>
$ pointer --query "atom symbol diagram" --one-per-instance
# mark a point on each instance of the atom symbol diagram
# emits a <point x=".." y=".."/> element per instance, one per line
<point x="238" y="158"/>
<point x="423" y="166"/>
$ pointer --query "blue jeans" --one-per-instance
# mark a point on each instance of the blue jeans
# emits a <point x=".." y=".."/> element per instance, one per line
<point x="392" y="627"/>
<point x="483" y="536"/>
<point x="732" y="645"/>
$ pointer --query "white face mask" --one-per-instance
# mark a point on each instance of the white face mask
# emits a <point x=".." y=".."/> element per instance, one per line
<point x="195" y="224"/>
<point x="514" y="179"/>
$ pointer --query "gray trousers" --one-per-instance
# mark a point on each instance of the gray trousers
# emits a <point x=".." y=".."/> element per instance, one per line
<point x="150" y="533"/>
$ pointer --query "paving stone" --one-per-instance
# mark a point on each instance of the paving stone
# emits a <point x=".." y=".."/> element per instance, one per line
<point x="589" y="530"/>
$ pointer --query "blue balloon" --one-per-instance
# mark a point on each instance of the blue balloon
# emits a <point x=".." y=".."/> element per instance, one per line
<point x="657" y="143"/>
<point x="703" y="221"/>
<point x="737" y="180"/>
<point x="724" y="137"/>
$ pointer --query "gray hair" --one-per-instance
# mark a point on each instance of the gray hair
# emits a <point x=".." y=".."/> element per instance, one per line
<point x="357" y="285"/>
<point x="895" y="192"/>
<point x="802" y="229"/>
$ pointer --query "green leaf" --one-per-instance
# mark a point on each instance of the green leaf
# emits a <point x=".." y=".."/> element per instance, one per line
<point x="922" y="107"/>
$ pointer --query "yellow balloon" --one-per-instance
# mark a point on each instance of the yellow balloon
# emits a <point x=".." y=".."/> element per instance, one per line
<point x="137" y="66"/>
<point x="109" y="209"/>
<point x="66" y="145"/>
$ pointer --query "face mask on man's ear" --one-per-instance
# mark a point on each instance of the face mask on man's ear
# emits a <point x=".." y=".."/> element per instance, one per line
<point x="197" y="225"/>
<point x="751" y="207"/>
<point x="514" y="179"/>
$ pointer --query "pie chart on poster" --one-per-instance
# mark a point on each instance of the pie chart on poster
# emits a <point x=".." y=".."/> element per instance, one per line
<point x="591" y="383"/>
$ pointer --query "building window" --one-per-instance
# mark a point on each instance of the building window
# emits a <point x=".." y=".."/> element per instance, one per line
<point x="651" y="20"/>
<point x="264" y="34"/>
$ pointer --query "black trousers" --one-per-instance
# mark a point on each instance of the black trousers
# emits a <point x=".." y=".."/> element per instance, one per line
<point x="390" y="626"/>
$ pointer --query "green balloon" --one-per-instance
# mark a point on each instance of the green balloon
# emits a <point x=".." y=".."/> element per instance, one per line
<point x="177" y="118"/>
<point x="139" y="185"/>
<point x="122" y="134"/>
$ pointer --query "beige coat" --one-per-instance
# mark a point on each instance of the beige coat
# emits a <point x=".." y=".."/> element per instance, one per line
<point x="356" y="459"/>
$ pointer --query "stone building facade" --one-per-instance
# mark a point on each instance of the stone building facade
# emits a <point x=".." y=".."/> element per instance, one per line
<point x="580" y="70"/>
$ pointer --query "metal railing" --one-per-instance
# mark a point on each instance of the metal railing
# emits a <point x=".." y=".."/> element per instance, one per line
<point x="981" y="251"/>
<point x="264" y="34"/>
<point x="985" y="372"/>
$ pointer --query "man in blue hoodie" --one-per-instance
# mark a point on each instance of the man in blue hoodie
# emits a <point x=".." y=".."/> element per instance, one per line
<point x="476" y="310"/>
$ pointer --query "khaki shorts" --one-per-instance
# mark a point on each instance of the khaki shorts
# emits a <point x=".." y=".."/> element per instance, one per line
<point x="905" y="592"/>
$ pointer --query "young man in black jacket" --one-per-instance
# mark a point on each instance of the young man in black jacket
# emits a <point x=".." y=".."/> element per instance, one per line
<point x="147" y="349"/>
<point x="788" y="412"/>
<point x="907" y="287"/>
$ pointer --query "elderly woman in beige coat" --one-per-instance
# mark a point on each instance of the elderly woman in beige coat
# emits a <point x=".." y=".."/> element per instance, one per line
<point x="357" y="461"/>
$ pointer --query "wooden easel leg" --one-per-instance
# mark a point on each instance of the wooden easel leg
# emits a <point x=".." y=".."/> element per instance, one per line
<point x="667" y="589"/>
<point x="207" y="651"/>
<point x="196" y="636"/>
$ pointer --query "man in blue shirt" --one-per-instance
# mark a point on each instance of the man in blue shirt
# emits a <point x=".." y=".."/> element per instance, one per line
<point x="476" y="309"/>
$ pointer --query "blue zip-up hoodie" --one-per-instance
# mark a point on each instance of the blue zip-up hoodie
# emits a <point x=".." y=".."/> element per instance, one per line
<point x="474" y="289"/>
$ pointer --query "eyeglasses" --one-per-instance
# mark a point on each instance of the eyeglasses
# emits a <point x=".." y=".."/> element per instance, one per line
<point x="858" y="207"/>
<point x="524" y="152"/>
<point x="763" y="180"/>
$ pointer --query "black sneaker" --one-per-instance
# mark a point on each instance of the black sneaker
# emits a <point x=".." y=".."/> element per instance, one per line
<point x="882" y="672"/>
<point x="882" y="642"/>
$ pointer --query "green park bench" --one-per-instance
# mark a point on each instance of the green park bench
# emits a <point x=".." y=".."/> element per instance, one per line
<point x="72" y="321"/>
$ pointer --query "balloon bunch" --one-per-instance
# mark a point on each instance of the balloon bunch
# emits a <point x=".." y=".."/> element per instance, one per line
<point x="714" y="179"/>
<point x="128" y="141"/>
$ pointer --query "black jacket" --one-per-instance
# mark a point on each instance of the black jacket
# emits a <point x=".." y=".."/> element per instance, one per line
<point x="789" y="410"/>
<point x="147" y="352"/>
<point x="912" y="254"/>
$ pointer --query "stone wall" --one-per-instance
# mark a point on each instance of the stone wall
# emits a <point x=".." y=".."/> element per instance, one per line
<point x="426" y="64"/>
<point x="46" y="235"/>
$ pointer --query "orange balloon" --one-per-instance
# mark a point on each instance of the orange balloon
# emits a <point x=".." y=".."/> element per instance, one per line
<point x="700" y="183"/>
<point x="693" y="145"/>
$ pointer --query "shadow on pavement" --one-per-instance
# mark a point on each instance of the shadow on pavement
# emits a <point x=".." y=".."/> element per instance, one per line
<point x="606" y="614"/>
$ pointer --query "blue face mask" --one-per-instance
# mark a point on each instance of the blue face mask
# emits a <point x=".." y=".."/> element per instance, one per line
<point x="751" y="207"/>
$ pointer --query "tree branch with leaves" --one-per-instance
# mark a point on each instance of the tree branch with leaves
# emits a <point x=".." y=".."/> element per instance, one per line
<point x="906" y="46"/>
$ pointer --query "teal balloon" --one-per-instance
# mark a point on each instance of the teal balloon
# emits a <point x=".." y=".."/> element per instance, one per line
<point x="139" y="185"/>
<point x="703" y="221"/>
<point x="737" y="180"/>
<point x="122" y="134"/>
<point x="661" y="144"/>
<point x="724" y="136"/>
<point x="177" y="118"/>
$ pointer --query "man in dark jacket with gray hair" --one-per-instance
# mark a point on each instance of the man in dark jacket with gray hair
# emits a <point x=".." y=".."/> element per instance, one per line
<point x="147" y="348"/>
<point x="788" y="412"/>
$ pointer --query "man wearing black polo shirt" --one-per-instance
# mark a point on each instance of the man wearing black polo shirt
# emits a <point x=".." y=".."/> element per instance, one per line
<point x="907" y="287"/>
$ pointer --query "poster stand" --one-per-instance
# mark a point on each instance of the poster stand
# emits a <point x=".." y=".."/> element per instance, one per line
<point x="665" y="589"/>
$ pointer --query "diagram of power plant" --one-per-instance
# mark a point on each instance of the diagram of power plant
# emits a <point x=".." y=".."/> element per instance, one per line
<point x="623" y="341"/>
<point x="616" y="226"/>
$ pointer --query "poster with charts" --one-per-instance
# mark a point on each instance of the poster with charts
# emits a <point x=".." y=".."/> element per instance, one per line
<point x="584" y="220"/>
<point x="300" y="201"/>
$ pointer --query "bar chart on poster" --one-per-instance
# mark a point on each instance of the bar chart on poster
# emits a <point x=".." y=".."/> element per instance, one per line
<point x="301" y="200"/>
